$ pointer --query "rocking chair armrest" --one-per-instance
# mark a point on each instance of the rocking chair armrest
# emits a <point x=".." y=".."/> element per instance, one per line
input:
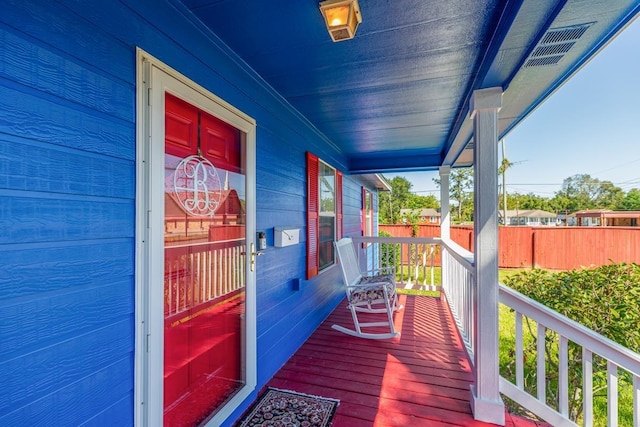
<point x="381" y="270"/>
<point x="381" y="283"/>
<point x="372" y="284"/>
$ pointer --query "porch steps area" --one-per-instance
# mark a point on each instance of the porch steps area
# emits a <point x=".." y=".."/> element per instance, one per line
<point x="419" y="379"/>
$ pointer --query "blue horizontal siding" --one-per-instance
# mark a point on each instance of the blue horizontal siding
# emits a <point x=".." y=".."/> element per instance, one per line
<point x="68" y="34"/>
<point x="118" y="414"/>
<point x="58" y="122"/>
<point x="56" y="169"/>
<point x="26" y="326"/>
<point x="102" y="399"/>
<point x="279" y="333"/>
<point x="38" y="66"/>
<point x="67" y="181"/>
<point x="42" y="270"/>
<point x="51" y="369"/>
<point x="34" y="219"/>
<point x="67" y="218"/>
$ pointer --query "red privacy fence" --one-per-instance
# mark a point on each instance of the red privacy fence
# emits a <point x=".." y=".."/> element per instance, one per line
<point x="561" y="248"/>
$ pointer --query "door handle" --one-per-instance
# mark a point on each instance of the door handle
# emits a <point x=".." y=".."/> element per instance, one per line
<point x="254" y="254"/>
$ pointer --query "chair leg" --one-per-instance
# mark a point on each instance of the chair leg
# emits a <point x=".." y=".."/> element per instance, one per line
<point x="390" y="310"/>
<point x="391" y="305"/>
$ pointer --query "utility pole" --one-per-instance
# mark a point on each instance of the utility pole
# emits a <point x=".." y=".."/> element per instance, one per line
<point x="504" y="186"/>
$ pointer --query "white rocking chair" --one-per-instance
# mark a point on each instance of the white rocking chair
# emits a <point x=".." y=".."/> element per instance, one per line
<point x="367" y="292"/>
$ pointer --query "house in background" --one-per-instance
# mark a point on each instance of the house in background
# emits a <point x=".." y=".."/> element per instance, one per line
<point x="530" y="218"/>
<point x="567" y="219"/>
<point x="607" y="218"/>
<point x="119" y="117"/>
<point x="428" y="216"/>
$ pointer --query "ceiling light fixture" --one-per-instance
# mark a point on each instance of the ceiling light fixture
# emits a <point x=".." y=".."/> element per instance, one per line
<point x="342" y="18"/>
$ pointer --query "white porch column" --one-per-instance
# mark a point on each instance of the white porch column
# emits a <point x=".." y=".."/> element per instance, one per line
<point x="486" y="403"/>
<point x="445" y="216"/>
<point x="445" y="227"/>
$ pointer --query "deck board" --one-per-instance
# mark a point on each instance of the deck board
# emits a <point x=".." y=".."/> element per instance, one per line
<point x="419" y="379"/>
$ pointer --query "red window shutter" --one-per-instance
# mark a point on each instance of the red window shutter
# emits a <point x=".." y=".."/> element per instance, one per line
<point x="313" y="224"/>
<point x="363" y="226"/>
<point x="339" y="221"/>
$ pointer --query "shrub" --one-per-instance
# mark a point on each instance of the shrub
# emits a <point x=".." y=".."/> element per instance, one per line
<point x="389" y="252"/>
<point x="605" y="299"/>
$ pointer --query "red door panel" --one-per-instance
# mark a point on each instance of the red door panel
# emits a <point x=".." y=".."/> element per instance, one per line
<point x="220" y="142"/>
<point x="181" y="127"/>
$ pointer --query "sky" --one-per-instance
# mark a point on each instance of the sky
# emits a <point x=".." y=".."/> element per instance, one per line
<point x="591" y="125"/>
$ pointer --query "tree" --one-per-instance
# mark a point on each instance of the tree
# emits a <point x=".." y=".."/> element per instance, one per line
<point x="581" y="192"/>
<point x="610" y="196"/>
<point x="529" y="201"/>
<point x="390" y="202"/>
<point x="400" y="197"/>
<point x="502" y="171"/>
<point x="460" y="185"/>
<point x="631" y="201"/>
<point x="416" y="201"/>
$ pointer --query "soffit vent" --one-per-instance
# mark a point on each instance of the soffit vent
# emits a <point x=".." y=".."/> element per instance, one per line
<point x="555" y="44"/>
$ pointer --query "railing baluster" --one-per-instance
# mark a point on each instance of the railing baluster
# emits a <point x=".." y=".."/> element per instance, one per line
<point x="433" y="262"/>
<point x="212" y="274"/>
<point x="636" y="401"/>
<point x="401" y="264"/>
<point x="411" y="258"/>
<point x="563" y="375"/>
<point x="227" y="262"/>
<point x="180" y="281"/>
<point x="236" y="269"/>
<point x="169" y="285"/>
<point x="541" y="368"/>
<point x="612" y="394"/>
<point x="201" y="277"/>
<point x="423" y="261"/>
<point x="192" y="283"/>
<point x="216" y="273"/>
<point x="587" y="384"/>
<point x="470" y="285"/>
<point x="519" y="352"/>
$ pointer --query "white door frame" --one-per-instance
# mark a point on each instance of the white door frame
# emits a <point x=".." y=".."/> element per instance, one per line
<point x="153" y="79"/>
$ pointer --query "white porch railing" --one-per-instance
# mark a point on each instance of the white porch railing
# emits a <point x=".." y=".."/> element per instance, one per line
<point x="413" y="258"/>
<point x="459" y="287"/>
<point x="199" y="273"/>
<point x="567" y="331"/>
<point x="458" y="283"/>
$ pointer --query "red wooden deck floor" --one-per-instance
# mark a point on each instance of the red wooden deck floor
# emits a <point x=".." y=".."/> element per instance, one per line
<point x="419" y="379"/>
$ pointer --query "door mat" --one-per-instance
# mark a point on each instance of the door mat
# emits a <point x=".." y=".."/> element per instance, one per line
<point x="290" y="409"/>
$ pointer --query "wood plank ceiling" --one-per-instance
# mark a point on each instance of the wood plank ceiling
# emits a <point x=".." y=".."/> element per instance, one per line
<point x="395" y="98"/>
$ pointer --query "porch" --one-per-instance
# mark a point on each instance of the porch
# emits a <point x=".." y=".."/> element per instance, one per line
<point x="424" y="377"/>
<point x="419" y="379"/>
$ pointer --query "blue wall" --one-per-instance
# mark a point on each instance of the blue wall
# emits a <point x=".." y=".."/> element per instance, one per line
<point x="67" y="191"/>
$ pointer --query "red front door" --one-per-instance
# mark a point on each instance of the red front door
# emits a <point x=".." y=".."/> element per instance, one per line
<point x="204" y="271"/>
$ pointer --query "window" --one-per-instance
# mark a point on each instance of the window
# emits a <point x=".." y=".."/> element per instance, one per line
<point x="324" y="214"/>
<point x="367" y="212"/>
